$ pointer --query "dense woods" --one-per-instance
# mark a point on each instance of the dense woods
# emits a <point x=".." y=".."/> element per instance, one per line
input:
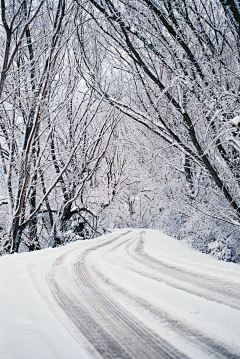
<point x="122" y="113"/>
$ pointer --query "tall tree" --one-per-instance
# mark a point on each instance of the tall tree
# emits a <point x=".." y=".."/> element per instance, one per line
<point x="180" y="64"/>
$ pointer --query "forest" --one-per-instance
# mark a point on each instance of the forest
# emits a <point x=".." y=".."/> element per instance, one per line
<point x="120" y="113"/>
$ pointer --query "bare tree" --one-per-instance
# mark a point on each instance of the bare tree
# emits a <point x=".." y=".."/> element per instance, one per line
<point x="179" y="66"/>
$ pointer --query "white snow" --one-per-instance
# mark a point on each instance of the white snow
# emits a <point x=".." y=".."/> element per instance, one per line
<point x="236" y="120"/>
<point x="28" y="327"/>
<point x="32" y="325"/>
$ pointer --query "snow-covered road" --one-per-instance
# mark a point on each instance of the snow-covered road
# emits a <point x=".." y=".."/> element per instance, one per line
<point x="131" y="294"/>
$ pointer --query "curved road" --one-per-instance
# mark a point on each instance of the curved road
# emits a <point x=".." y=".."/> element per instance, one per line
<point x="128" y="301"/>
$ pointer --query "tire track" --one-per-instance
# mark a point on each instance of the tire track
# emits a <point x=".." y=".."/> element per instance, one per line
<point x="209" y="287"/>
<point x="193" y="336"/>
<point x="207" y="345"/>
<point x="112" y="331"/>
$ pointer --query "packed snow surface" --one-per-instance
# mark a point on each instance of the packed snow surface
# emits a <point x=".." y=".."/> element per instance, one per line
<point x="130" y="294"/>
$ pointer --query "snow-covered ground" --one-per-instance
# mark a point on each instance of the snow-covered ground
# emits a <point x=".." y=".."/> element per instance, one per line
<point x="130" y="294"/>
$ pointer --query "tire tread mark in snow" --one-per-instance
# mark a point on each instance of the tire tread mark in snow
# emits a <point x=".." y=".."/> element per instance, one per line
<point x="79" y="314"/>
<point x="198" y="339"/>
<point x="141" y="342"/>
<point x="115" y="333"/>
<point x="217" y="290"/>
